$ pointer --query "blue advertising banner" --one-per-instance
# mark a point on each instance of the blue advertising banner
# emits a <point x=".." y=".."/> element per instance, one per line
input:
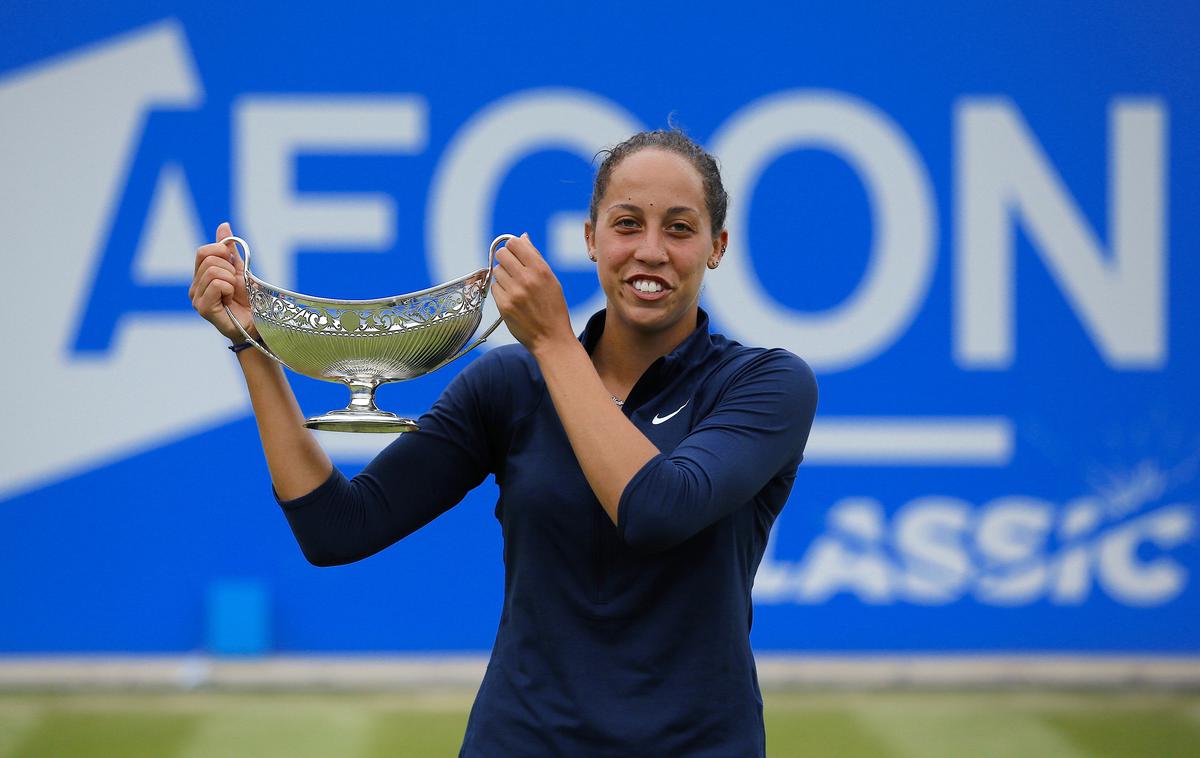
<point x="976" y="222"/>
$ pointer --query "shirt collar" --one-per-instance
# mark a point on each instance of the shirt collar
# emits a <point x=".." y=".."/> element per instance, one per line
<point x="691" y="351"/>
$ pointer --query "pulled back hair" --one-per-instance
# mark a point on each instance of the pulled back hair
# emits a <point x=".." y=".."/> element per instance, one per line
<point x="673" y="141"/>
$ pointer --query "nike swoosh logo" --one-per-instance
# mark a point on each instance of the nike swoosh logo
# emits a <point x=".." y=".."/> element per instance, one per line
<point x="659" y="419"/>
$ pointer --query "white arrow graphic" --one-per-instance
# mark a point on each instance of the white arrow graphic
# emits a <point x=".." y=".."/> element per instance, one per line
<point x="66" y="144"/>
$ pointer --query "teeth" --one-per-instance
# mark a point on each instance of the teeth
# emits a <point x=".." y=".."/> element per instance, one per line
<point x="645" y="285"/>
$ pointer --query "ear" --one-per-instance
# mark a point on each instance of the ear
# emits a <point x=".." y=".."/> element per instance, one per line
<point x="718" y="248"/>
<point x="589" y="239"/>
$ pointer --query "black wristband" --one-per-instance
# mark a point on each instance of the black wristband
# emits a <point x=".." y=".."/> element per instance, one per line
<point x="241" y="346"/>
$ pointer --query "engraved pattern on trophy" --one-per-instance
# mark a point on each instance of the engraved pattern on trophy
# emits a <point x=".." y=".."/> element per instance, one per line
<point x="290" y="312"/>
<point x="366" y="343"/>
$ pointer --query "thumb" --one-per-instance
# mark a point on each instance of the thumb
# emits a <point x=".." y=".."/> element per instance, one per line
<point x="224" y="231"/>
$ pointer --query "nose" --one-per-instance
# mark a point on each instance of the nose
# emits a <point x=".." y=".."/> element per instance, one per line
<point x="653" y="249"/>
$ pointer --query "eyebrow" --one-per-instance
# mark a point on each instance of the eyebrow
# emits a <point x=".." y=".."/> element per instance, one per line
<point x="670" y="211"/>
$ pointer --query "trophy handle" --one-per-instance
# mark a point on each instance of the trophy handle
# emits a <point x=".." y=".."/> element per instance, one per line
<point x="262" y="348"/>
<point x="487" y="286"/>
<point x="245" y="246"/>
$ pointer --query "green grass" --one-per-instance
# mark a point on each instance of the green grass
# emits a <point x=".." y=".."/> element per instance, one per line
<point x="364" y="725"/>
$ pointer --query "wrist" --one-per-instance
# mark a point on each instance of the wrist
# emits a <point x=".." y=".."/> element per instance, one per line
<point x="551" y="347"/>
<point x="239" y="344"/>
<point x="236" y="337"/>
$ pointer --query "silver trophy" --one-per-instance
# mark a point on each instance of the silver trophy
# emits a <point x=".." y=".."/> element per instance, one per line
<point x="366" y="343"/>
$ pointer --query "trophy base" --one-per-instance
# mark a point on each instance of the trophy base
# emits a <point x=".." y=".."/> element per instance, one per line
<point x="361" y="421"/>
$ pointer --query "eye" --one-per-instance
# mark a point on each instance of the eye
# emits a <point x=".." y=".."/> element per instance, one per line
<point x="680" y="227"/>
<point x="626" y="222"/>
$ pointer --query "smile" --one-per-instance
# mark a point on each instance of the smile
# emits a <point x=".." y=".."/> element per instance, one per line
<point x="648" y="287"/>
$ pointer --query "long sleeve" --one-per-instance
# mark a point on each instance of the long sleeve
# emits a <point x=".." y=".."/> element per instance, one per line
<point x="415" y="479"/>
<point x="759" y="426"/>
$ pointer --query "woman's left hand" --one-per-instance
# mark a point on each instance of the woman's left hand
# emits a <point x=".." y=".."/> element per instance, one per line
<point x="529" y="296"/>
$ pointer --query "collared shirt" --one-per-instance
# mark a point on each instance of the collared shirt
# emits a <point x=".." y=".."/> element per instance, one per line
<point x="613" y="640"/>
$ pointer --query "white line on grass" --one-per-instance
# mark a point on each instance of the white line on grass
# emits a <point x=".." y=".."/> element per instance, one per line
<point x="979" y="730"/>
<point x="281" y="728"/>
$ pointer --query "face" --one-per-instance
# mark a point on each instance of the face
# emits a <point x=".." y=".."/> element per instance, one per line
<point x="653" y="242"/>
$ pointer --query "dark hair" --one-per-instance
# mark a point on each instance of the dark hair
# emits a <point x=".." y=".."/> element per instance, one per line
<point x="674" y="141"/>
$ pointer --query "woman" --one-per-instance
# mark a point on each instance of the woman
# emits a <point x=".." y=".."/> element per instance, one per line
<point x="640" y="469"/>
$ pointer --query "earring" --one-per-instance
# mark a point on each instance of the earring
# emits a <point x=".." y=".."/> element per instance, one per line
<point x="715" y="261"/>
<point x="592" y="256"/>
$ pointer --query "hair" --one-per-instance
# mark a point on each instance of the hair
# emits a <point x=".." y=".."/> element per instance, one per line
<point x="672" y="140"/>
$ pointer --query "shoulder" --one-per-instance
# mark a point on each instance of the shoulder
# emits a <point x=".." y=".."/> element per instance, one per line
<point x="769" y="392"/>
<point x="766" y="386"/>
<point x="503" y="365"/>
<point x="505" y="376"/>
<point x="737" y="364"/>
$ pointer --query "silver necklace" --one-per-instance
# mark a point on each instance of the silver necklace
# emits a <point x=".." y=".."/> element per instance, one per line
<point x="620" y="403"/>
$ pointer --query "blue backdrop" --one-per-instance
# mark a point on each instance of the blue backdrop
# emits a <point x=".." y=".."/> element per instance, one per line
<point x="978" y="224"/>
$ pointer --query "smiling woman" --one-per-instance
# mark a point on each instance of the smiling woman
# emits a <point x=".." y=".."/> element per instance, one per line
<point x="632" y="529"/>
<point x="653" y="243"/>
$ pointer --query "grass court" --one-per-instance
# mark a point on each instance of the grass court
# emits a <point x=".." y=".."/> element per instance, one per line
<point x="366" y="725"/>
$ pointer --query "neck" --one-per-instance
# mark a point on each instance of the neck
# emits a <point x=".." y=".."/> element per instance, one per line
<point x="623" y="354"/>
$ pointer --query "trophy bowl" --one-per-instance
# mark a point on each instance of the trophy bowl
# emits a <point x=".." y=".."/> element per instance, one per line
<point x="366" y="343"/>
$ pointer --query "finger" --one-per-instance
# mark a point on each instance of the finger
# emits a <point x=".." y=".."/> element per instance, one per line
<point x="500" y="297"/>
<point x="209" y="262"/>
<point x="216" y="261"/>
<point x="499" y="294"/>
<point x="216" y="274"/>
<point x="213" y="296"/>
<point x="523" y="250"/>
<point x="232" y="253"/>
<point x="212" y="249"/>
<point x="502" y="278"/>
<point x="507" y="261"/>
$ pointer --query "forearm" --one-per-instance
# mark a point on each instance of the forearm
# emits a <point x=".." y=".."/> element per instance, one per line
<point x="297" y="463"/>
<point x="609" y="448"/>
<point x="747" y="445"/>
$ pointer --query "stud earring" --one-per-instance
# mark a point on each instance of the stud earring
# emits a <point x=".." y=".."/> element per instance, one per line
<point x="592" y="256"/>
<point x="712" y="263"/>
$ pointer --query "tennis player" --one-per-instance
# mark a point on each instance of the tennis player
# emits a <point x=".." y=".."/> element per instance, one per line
<point x="640" y="467"/>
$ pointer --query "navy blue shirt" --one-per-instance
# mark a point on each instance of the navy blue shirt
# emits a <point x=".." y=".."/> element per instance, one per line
<point x="613" y="640"/>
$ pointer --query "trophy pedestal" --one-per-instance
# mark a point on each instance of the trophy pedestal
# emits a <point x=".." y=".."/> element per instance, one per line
<point x="361" y="421"/>
<point x="361" y="415"/>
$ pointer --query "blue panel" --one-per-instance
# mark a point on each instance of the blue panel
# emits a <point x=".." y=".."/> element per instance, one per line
<point x="1008" y="446"/>
<point x="238" y="618"/>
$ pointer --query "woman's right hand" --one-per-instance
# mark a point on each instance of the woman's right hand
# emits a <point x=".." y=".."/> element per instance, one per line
<point x="219" y="281"/>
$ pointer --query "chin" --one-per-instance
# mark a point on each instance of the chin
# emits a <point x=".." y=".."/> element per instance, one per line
<point x="649" y="320"/>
